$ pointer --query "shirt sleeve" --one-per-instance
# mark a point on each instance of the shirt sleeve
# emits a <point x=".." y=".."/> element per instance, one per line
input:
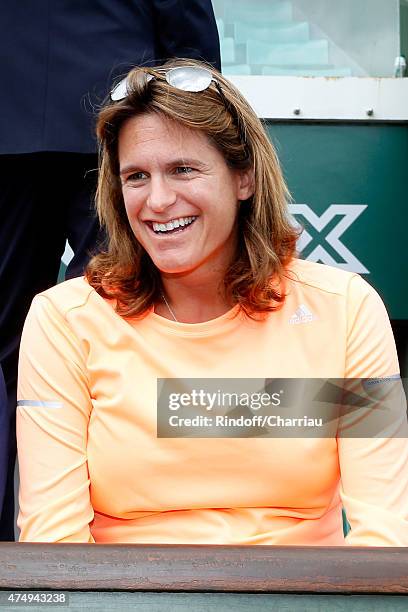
<point x="187" y="28"/>
<point x="53" y="411"/>
<point x="374" y="469"/>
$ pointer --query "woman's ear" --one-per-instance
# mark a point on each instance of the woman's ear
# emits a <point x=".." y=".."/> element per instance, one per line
<point x="246" y="184"/>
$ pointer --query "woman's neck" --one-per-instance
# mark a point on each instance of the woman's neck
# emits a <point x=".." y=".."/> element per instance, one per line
<point x="189" y="299"/>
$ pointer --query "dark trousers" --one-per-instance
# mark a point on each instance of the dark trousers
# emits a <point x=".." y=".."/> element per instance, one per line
<point x="45" y="198"/>
<point x="4" y="427"/>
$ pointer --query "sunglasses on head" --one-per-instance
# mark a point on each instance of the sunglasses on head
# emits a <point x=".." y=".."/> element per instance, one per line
<point x="186" y="78"/>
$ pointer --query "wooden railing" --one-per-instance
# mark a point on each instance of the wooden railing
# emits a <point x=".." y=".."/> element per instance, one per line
<point x="249" y="569"/>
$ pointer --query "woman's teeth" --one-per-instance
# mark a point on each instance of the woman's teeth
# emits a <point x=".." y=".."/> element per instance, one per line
<point x="181" y="222"/>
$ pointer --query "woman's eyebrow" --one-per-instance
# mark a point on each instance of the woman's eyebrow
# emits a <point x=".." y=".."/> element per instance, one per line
<point x="186" y="161"/>
<point x="180" y="161"/>
<point x="128" y="168"/>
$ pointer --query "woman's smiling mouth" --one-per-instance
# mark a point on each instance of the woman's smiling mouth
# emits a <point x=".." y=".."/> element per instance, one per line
<point x="171" y="227"/>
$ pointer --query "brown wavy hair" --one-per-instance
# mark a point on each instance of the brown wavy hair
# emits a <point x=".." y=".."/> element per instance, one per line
<point x="266" y="237"/>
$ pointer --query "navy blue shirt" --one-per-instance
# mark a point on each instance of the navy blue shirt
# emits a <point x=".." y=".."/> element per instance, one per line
<point x="60" y="57"/>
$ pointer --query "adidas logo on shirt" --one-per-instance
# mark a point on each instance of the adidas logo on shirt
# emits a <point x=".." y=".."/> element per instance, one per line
<point x="302" y="315"/>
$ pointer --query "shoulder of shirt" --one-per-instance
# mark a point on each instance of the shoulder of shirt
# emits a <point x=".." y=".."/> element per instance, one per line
<point x="75" y="293"/>
<point x="68" y="295"/>
<point x="324" y="278"/>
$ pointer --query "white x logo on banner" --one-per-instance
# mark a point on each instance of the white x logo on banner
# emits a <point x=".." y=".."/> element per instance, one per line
<point x="349" y="213"/>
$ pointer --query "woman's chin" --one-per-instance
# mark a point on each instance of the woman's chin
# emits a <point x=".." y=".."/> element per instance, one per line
<point x="173" y="267"/>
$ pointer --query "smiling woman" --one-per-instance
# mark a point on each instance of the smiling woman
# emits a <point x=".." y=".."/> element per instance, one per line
<point x="200" y="281"/>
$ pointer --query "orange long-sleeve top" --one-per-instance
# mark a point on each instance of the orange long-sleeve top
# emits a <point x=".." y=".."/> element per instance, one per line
<point x="93" y="469"/>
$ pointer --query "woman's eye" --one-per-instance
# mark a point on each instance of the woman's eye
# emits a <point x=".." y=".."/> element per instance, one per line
<point x="136" y="176"/>
<point x="184" y="170"/>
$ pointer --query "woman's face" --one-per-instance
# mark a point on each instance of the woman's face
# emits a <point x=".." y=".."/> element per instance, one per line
<point x="181" y="198"/>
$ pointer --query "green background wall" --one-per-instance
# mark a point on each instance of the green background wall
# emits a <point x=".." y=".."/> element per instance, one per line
<point x="327" y="164"/>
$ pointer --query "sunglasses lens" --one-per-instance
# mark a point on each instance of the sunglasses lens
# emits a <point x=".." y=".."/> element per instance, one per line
<point x="119" y="91"/>
<point x="189" y="78"/>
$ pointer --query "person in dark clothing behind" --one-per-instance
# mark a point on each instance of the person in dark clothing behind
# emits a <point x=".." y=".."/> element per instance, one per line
<point x="3" y="437"/>
<point x="59" y="60"/>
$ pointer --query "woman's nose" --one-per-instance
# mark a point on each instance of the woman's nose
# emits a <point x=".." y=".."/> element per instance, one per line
<point x="161" y="195"/>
